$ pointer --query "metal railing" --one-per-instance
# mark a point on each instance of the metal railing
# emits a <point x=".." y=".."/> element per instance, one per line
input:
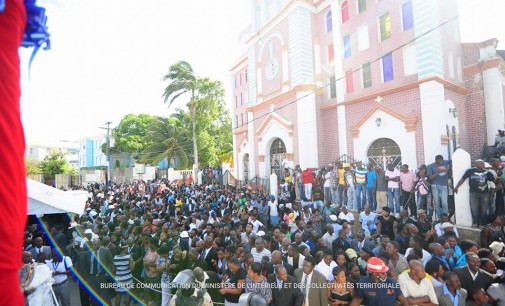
<point x="255" y="183"/>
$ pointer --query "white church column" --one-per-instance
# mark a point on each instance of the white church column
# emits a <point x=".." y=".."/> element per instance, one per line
<point x="285" y="68"/>
<point x="236" y="158"/>
<point x="251" y="145"/>
<point x="342" y="130"/>
<point x="461" y="161"/>
<point x="259" y="84"/>
<point x="409" y="153"/>
<point x="493" y="97"/>
<point x="434" y="113"/>
<point x="307" y="130"/>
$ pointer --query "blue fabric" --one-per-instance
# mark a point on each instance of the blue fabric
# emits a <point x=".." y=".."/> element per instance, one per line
<point x="408" y="15"/>
<point x="2" y="5"/>
<point x="454" y="299"/>
<point x="442" y="259"/>
<point x="394" y="195"/>
<point x="371" y="176"/>
<point x="387" y="67"/>
<point x="36" y="34"/>
<point x="455" y="256"/>
<point x="360" y="196"/>
<point x="442" y="178"/>
<point x="383" y="295"/>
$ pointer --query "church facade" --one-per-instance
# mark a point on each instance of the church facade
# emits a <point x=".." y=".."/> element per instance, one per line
<point x="382" y="81"/>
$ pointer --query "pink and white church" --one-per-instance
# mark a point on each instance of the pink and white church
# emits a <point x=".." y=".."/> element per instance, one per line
<point x="382" y="81"/>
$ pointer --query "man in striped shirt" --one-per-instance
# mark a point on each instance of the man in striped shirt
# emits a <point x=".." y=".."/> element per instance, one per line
<point x="259" y="250"/>
<point x="360" y="186"/>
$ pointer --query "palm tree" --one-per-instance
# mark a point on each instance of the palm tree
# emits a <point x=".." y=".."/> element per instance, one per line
<point x="168" y="139"/>
<point x="182" y="80"/>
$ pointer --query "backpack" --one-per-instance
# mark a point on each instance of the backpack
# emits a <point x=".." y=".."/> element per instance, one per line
<point x="422" y="188"/>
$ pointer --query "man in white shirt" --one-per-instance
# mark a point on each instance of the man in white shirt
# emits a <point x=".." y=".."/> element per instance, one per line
<point x="346" y="215"/>
<point x="329" y="236"/>
<point x="368" y="219"/>
<point x="256" y="224"/>
<point x="325" y="267"/>
<point x="259" y="250"/>
<point x="393" y="178"/>
<point x="415" y="287"/>
<point x="274" y="212"/>
<point x="61" y="271"/>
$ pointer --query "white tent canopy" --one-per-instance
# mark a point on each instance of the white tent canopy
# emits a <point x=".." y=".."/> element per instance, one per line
<point x="44" y="199"/>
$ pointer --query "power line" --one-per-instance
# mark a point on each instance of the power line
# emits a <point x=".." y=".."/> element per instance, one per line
<point x="355" y="70"/>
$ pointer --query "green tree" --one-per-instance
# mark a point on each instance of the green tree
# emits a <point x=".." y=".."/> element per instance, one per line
<point x="182" y="80"/>
<point x="32" y="166"/>
<point x="129" y="135"/>
<point x="169" y="139"/>
<point x="210" y="120"/>
<point x="54" y="163"/>
<point x="213" y="121"/>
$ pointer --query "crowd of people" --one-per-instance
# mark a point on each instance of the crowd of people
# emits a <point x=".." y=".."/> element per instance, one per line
<point x="358" y="236"/>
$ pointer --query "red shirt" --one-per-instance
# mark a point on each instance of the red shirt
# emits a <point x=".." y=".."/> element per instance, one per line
<point x="307" y="176"/>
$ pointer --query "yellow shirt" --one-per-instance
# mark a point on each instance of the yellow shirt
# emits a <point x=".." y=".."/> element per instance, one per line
<point x="178" y="204"/>
<point x="341" y="176"/>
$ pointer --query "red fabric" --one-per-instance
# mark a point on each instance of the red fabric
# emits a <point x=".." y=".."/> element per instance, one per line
<point x="13" y="200"/>
<point x="307" y="176"/>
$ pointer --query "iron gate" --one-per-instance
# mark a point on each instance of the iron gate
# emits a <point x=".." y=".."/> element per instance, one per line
<point x="384" y="151"/>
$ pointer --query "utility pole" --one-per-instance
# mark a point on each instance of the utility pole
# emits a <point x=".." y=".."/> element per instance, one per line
<point x="108" y="151"/>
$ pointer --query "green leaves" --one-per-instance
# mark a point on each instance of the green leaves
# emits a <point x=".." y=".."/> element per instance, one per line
<point x="177" y="138"/>
<point x="55" y="163"/>
<point x="32" y="166"/>
<point x="168" y="138"/>
<point x="130" y="134"/>
<point x="207" y="108"/>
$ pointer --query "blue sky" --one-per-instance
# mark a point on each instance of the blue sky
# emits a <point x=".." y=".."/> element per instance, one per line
<point x="108" y="57"/>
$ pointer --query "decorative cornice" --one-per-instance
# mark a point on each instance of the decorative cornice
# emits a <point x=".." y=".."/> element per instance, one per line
<point x="447" y="84"/>
<point x="281" y="97"/>
<point x="477" y="68"/>
<point x="288" y="125"/>
<point x="409" y="120"/>
<point x="238" y="65"/>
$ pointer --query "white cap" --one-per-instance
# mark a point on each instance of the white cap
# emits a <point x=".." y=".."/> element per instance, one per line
<point x="446" y="225"/>
<point x="88" y="231"/>
<point x="260" y="234"/>
<point x="184" y="234"/>
<point x="497" y="247"/>
<point x="111" y="206"/>
<point x="333" y="218"/>
<point x="93" y="213"/>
